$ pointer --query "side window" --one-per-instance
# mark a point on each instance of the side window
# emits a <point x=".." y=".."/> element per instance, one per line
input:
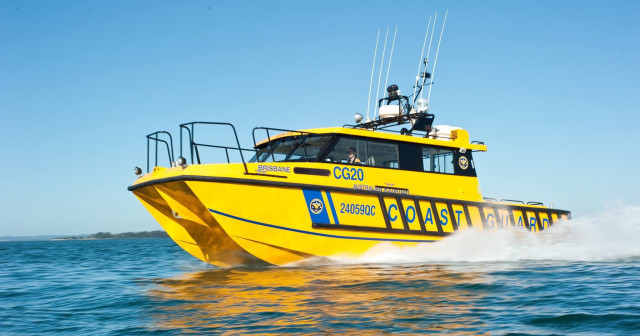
<point x="437" y="160"/>
<point x="348" y="150"/>
<point x="365" y="152"/>
<point x="382" y="154"/>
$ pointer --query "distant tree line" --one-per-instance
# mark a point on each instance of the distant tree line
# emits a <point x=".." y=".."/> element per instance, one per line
<point x="109" y="235"/>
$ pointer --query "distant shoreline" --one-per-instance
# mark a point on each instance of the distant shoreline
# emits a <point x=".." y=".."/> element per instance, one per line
<point x="95" y="236"/>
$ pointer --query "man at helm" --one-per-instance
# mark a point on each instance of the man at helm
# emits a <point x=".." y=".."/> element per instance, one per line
<point x="351" y="152"/>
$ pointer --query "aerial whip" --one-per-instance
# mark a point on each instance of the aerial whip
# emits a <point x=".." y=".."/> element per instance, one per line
<point x="371" y="80"/>
<point x="435" y="62"/>
<point x="380" y="75"/>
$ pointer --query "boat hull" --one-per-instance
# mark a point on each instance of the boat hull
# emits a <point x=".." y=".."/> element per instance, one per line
<point x="262" y="220"/>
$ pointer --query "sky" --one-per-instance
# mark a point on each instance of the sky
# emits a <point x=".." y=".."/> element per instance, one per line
<point x="552" y="88"/>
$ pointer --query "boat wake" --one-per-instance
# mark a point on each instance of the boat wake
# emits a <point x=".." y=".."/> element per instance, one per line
<point x="581" y="239"/>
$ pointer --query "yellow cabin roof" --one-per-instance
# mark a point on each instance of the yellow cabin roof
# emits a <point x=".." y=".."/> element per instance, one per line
<point x="459" y="137"/>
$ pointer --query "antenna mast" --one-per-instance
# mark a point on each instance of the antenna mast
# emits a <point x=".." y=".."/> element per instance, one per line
<point x="371" y="80"/>
<point x="435" y="62"/>
<point x="390" y="57"/>
<point x="426" y="35"/>
<point x="429" y="50"/>
<point x="375" y="113"/>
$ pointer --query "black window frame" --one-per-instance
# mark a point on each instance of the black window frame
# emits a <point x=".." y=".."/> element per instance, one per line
<point x="409" y="153"/>
<point x="268" y="147"/>
<point x="409" y="156"/>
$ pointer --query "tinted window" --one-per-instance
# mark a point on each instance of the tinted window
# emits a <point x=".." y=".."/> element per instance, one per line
<point x="297" y="148"/>
<point x="366" y="152"/>
<point x="308" y="149"/>
<point x="437" y="160"/>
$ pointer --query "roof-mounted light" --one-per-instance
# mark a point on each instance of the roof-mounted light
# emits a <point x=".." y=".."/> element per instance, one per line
<point x="181" y="161"/>
<point x="358" y="118"/>
<point x="422" y="105"/>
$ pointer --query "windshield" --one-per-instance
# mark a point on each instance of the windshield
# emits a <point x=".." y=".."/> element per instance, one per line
<point x="296" y="148"/>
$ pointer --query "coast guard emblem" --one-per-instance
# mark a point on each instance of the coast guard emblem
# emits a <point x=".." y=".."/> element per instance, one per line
<point x="316" y="206"/>
<point x="463" y="162"/>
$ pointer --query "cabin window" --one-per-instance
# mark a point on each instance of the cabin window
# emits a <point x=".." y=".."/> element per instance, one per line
<point x="308" y="149"/>
<point x="367" y="152"/>
<point x="298" y="148"/>
<point x="437" y="160"/>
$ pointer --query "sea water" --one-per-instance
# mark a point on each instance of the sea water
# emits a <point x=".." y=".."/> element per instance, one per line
<point x="580" y="277"/>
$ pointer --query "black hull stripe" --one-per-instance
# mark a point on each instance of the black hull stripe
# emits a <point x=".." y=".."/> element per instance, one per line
<point x="379" y="229"/>
<point x="198" y="178"/>
<point x="318" y="233"/>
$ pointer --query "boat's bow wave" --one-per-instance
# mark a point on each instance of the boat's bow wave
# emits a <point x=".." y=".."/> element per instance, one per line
<point x="580" y="239"/>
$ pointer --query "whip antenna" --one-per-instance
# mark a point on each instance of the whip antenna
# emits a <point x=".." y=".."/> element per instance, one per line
<point x="391" y="56"/>
<point x="429" y="50"/>
<point x="426" y="35"/>
<point x="371" y="80"/>
<point x="380" y="75"/>
<point x="435" y="62"/>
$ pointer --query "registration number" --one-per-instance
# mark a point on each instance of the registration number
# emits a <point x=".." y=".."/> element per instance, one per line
<point x="358" y="209"/>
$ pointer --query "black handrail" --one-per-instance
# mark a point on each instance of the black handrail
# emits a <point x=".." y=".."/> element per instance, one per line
<point x="193" y="146"/>
<point x="512" y="201"/>
<point x="154" y="136"/>
<point x="226" y="150"/>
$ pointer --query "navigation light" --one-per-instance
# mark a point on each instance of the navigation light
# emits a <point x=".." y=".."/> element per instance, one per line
<point x="422" y="105"/>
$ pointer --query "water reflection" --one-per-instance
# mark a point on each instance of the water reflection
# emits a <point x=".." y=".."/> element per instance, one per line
<point x="321" y="299"/>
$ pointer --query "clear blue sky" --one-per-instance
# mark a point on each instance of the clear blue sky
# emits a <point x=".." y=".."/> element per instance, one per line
<point x="552" y="87"/>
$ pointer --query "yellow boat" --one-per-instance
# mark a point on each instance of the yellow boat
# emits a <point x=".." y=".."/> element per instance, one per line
<point x="327" y="192"/>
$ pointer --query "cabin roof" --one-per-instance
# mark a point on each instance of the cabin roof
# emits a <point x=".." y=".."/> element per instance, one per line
<point x="459" y="137"/>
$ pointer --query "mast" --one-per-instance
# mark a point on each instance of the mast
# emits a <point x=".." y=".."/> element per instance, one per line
<point x="426" y="35"/>
<point x="372" y="68"/>
<point x="429" y="50"/>
<point x="386" y="80"/>
<point x="380" y="75"/>
<point x="435" y="62"/>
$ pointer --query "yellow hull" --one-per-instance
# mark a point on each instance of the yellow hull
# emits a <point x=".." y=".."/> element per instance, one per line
<point x="286" y="212"/>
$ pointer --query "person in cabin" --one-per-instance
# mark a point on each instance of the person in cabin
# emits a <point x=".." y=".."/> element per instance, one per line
<point x="353" y="159"/>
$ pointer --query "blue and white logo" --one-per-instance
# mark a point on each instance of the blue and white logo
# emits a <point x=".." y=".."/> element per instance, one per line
<point x="463" y="163"/>
<point x="316" y="206"/>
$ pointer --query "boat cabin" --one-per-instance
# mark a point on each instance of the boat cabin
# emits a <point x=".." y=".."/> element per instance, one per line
<point x="375" y="149"/>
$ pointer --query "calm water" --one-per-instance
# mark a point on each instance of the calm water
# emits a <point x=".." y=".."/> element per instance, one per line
<point x="576" y="279"/>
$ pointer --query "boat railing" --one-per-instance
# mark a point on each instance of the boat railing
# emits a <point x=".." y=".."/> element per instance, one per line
<point x="511" y="201"/>
<point x="158" y="138"/>
<point x="194" y="153"/>
<point x="493" y="200"/>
